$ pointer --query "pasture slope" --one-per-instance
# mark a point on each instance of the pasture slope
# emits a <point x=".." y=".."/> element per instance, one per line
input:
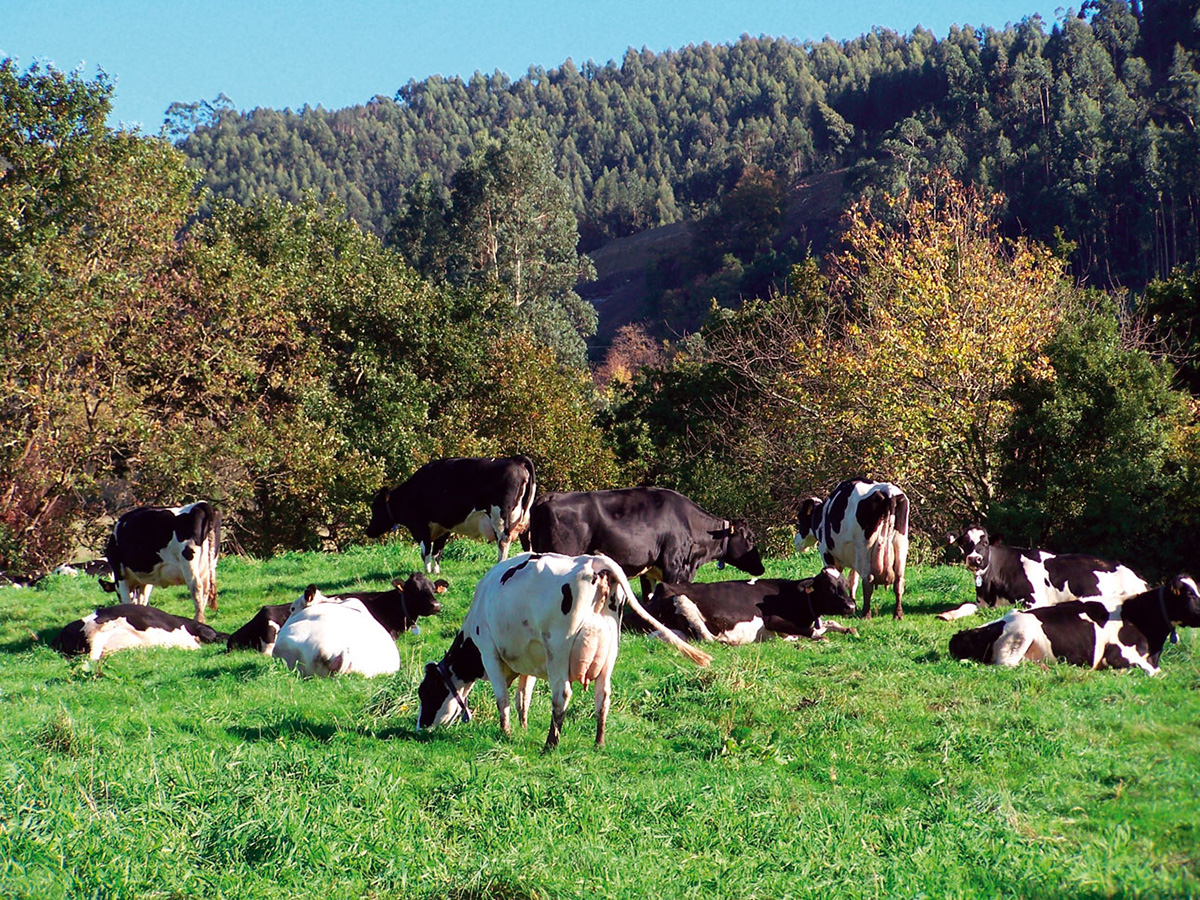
<point x="862" y="767"/>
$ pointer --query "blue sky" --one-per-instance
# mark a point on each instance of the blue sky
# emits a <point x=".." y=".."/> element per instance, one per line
<point x="336" y="54"/>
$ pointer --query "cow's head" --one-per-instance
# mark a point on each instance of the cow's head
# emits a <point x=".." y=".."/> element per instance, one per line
<point x="382" y="520"/>
<point x="447" y="685"/>
<point x="975" y="547"/>
<point x="740" y="551"/>
<point x="831" y="594"/>
<point x="807" y="519"/>
<point x="420" y="594"/>
<point x="1181" y="601"/>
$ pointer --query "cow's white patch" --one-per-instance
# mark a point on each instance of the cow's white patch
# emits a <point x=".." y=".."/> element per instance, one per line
<point x="743" y="632"/>
<point x="118" y="634"/>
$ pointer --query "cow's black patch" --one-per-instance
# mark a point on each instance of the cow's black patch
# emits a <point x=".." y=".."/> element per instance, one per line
<point x="835" y="509"/>
<point x="976" y="643"/>
<point x="1077" y="573"/>
<point x="71" y="641"/>
<point x="1071" y="629"/>
<point x="871" y="511"/>
<point x="260" y="630"/>
<point x="513" y="571"/>
<point x="568" y="600"/>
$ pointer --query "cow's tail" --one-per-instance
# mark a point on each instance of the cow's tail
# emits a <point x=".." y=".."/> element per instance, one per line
<point x="699" y="657"/>
<point x="520" y="522"/>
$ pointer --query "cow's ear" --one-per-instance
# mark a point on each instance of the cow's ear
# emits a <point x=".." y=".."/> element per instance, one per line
<point x="310" y="593"/>
<point x="441" y="586"/>
<point x="430" y="668"/>
<point x="995" y="538"/>
<point x="398" y="583"/>
<point x="951" y="539"/>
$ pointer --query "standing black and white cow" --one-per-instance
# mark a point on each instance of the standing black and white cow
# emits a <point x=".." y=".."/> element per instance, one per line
<point x="654" y="532"/>
<point x="396" y="610"/>
<point x="487" y="499"/>
<point x="538" y="615"/>
<point x="742" y="612"/>
<point x="1031" y="578"/>
<point x="159" y="545"/>
<point x="862" y="526"/>
<point x="131" y="625"/>
<point x="1116" y="634"/>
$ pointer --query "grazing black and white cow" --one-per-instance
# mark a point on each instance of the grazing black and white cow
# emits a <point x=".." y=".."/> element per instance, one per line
<point x="347" y="633"/>
<point x="654" y="532"/>
<point x="128" y="626"/>
<point x="487" y="499"/>
<point x="396" y="610"/>
<point x="159" y="545"/>
<point x="1115" y="634"/>
<point x="1030" y="578"/>
<point x="862" y="526"/>
<point x="538" y="615"/>
<point x="742" y="612"/>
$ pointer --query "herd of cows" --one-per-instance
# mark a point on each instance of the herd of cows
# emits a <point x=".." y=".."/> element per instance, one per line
<point x="555" y="611"/>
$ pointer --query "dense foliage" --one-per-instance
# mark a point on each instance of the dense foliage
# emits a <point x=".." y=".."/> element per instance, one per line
<point x="933" y="352"/>
<point x="1088" y="127"/>
<point x="273" y="357"/>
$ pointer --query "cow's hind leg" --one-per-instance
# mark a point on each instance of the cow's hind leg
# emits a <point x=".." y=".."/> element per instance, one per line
<point x="562" y="697"/>
<point x="603" y="688"/>
<point x="868" y="589"/>
<point x="197" y="588"/>
<point x="524" y="697"/>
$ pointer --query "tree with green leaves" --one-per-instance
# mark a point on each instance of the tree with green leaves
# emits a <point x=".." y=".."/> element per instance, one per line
<point x="507" y="226"/>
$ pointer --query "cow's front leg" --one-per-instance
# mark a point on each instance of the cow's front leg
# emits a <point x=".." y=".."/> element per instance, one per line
<point x="439" y="544"/>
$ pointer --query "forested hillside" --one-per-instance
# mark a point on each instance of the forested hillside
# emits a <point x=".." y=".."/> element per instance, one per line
<point x="1086" y="125"/>
<point x="900" y="257"/>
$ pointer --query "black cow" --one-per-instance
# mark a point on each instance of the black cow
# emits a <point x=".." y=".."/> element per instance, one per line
<point x="131" y="625"/>
<point x="653" y="532"/>
<point x="159" y="545"/>
<point x="1114" y="634"/>
<point x="1031" y="578"/>
<point x="487" y="499"/>
<point x="396" y="610"/>
<point x="741" y="612"/>
<point x="862" y="526"/>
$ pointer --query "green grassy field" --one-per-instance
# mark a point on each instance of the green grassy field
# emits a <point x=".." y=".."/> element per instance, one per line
<point x="874" y="766"/>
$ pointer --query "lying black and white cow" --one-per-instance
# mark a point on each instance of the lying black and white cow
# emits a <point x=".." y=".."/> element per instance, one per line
<point x="1031" y="578"/>
<point x="538" y="615"/>
<point x="128" y="626"/>
<point x="862" y="526"/>
<point x="1110" y="634"/>
<point x="339" y="635"/>
<point x="654" y="532"/>
<point x="396" y="610"/>
<point x="741" y="612"/>
<point x="158" y="545"/>
<point x="487" y="499"/>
